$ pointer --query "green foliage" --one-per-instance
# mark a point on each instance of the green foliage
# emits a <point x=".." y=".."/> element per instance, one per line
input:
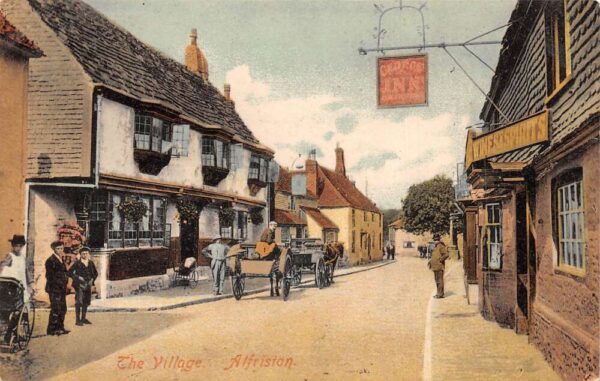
<point x="226" y="216"/>
<point x="256" y="216"/>
<point x="133" y="209"/>
<point x="187" y="209"/>
<point x="390" y="215"/>
<point x="428" y="205"/>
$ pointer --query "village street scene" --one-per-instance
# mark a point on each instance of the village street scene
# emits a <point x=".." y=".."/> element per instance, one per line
<point x="307" y="190"/>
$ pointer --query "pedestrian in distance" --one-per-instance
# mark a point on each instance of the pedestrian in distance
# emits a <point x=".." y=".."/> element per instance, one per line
<point x="437" y="264"/>
<point x="84" y="274"/>
<point x="14" y="265"/>
<point x="392" y="250"/>
<point x="56" y="287"/>
<point x="217" y="252"/>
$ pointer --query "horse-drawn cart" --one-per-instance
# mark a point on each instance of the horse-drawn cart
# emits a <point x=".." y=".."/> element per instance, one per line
<point x="310" y="255"/>
<point x="243" y="261"/>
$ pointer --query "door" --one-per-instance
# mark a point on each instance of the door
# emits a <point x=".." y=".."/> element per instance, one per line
<point x="189" y="238"/>
<point x="470" y="245"/>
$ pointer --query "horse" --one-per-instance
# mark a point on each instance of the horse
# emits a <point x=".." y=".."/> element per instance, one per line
<point x="333" y="251"/>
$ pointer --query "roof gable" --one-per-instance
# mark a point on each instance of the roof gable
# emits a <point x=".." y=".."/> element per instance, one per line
<point x="113" y="57"/>
<point x="338" y="191"/>
<point x="14" y="37"/>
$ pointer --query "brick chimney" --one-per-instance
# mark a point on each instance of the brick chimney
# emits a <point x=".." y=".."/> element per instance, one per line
<point x="227" y="93"/>
<point x="195" y="60"/>
<point x="340" y="166"/>
<point x="311" y="175"/>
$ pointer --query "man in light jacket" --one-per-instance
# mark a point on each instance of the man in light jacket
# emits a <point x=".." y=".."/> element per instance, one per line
<point x="217" y="252"/>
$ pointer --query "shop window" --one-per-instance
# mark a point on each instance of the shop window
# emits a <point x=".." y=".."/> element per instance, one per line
<point x="492" y="244"/>
<point x="558" y="46"/>
<point x="569" y="220"/>
<point x="149" y="231"/>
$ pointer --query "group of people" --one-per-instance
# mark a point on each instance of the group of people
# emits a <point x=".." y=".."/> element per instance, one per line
<point x="82" y="272"/>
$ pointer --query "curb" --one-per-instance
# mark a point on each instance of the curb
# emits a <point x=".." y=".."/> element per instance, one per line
<point x="209" y="299"/>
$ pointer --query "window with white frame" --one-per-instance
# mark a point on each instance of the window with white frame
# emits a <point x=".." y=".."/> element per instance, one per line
<point x="215" y="153"/>
<point x="151" y="134"/>
<point x="292" y="203"/>
<point x="493" y="231"/>
<point x="259" y="168"/>
<point x="570" y="220"/>
<point x="181" y="140"/>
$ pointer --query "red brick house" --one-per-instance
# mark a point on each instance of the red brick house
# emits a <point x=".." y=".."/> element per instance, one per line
<point x="531" y="220"/>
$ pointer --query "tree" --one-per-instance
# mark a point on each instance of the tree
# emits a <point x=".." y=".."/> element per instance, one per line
<point x="428" y="205"/>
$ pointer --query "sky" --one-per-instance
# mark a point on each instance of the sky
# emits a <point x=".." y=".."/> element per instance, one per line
<point x="299" y="83"/>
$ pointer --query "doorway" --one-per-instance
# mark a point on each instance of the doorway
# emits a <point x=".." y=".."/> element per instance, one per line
<point x="522" y="313"/>
<point x="189" y="238"/>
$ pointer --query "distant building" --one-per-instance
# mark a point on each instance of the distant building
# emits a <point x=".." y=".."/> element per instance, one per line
<point x="531" y="219"/>
<point x="114" y="124"/>
<point x="359" y="220"/>
<point x="297" y="215"/>
<point x="15" y="51"/>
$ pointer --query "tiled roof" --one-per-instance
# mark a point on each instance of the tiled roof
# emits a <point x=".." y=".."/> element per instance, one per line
<point x="14" y="37"/>
<point x="285" y="217"/>
<point x="284" y="184"/>
<point x="338" y="190"/>
<point x="113" y="57"/>
<point x="320" y="218"/>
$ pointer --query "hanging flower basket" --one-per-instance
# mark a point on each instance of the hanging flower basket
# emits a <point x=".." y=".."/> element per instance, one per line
<point x="71" y="235"/>
<point x="226" y="216"/>
<point x="133" y="209"/>
<point x="256" y="216"/>
<point x="188" y="209"/>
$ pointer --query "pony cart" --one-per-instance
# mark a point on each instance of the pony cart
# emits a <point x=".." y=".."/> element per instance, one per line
<point x="257" y="261"/>
<point x="308" y="256"/>
<point x="16" y="317"/>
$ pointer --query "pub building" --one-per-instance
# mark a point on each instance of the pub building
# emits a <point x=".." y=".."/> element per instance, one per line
<point x="135" y="152"/>
<point x="531" y="219"/>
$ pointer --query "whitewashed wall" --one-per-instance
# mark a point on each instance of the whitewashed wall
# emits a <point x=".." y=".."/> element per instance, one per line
<point x="116" y="134"/>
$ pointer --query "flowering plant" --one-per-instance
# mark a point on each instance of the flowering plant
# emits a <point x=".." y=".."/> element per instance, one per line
<point x="133" y="209"/>
<point x="187" y="209"/>
<point x="71" y="235"/>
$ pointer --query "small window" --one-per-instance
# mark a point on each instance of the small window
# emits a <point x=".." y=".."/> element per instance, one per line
<point x="292" y="203"/>
<point x="558" y="45"/>
<point x="353" y="219"/>
<point x="181" y="140"/>
<point x="492" y="244"/>
<point x="353" y="241"/>
<point x="215" y="153"/>
<point x="569" y="217"/>
<point x="285" y="234"/>
<point x="152" y="134"/>
<point x="259" y="167"/>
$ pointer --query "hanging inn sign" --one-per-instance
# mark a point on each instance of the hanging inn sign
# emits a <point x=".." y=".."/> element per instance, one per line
<point x="402" y="81"/>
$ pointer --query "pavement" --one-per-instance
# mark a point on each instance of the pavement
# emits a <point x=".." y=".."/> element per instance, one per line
<point x="378" y="323"/>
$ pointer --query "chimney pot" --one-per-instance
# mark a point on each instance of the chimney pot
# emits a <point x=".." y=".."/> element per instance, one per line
<point x="227" y="91"/>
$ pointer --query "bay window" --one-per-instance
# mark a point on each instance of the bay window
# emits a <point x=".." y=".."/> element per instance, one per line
<point x="215" y="160"/>
<point x="151" y="134"/>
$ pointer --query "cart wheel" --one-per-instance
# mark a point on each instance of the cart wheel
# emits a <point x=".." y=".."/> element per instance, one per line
<point x="327" y="276"/>
<point x="193" y="279"/>
<point x="25" y="327"/>
<point x="237" y="285"/>
<point x="288" y="277"/>
<point x="320" y="274"/>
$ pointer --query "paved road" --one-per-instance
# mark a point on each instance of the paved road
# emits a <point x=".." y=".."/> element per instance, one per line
<point x="368" y="325"/>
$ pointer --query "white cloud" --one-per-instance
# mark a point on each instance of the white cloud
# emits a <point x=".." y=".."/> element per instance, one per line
<point x="424" y="147"/>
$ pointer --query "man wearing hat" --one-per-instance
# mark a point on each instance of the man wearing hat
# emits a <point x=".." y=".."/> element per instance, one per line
<point x="84" y="275"/>
<point x="268" y="237"/>
<point x="217" y="252"/>
<point x="56" y="287"/>
<point x="437" y="264"/>
<point x="14" y="265"/>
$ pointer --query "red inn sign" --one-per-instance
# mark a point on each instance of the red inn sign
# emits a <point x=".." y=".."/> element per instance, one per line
<point x="402" y="81"/>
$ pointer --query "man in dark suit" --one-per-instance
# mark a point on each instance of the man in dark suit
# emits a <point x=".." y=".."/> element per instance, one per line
<point x="56" y="287"/>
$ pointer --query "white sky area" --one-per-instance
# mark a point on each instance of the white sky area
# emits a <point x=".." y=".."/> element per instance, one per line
<point x="299" y="83"/>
